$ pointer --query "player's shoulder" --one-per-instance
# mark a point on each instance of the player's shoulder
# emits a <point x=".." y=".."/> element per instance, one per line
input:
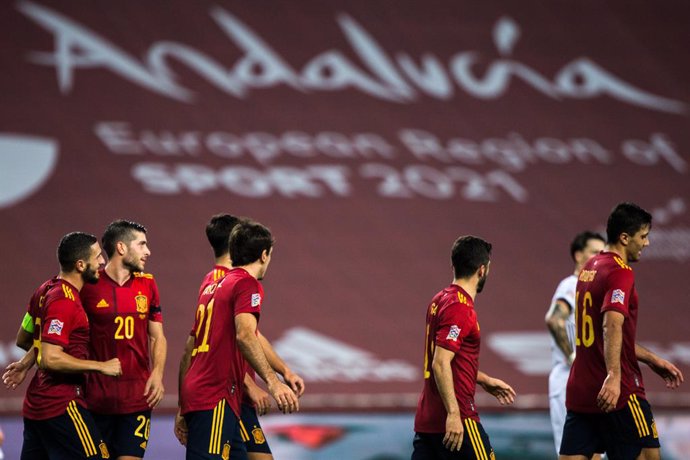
<point x="61" y="291"/>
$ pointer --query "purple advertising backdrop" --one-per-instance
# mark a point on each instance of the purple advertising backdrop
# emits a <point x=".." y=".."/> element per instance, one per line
<point x="367" y="136"/>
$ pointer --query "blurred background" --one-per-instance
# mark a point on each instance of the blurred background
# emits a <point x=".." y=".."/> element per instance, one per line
<point x="367" y="136"/>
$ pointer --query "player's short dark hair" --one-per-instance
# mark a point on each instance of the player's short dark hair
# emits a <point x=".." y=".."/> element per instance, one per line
<point x="73" y="247"/>
<point x="580" y="241"/>
<point x="218" y="232"/>
<point x="247" y="242"/>
<point x="626" y="218"/>
<point x="468" y="254"/>
<point x="119" y="230"/>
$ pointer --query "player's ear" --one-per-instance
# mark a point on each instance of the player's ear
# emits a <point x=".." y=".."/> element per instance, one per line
<point x="80" y="266"/>
<point x="264" y="256"/>
<point x="121" y="247"/>
<point x="624" y="239"/>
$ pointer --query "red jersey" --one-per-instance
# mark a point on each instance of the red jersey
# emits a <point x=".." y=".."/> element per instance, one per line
<point x="605" y="283"/>
<point x="60" y="321"/>
<point x="120" y="318"/>
<point x="451" y="323"/>
<point x="38" y="299"/>
<point x="216" y="370"/>
<point x="215" y="275"/>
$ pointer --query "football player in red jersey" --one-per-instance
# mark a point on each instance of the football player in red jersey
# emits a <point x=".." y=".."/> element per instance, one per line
<point x="56" y="423"/>
<point x="255" y="401"/>
<point x="126" y="322"/>
<point x="225" y="336"/>
<point x="447" y="424"/>
<point x="605" y="398"/>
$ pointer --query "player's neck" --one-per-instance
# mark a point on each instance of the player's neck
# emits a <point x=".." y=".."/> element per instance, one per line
<point x="468" y="285"/>
<point x="253" y="269"/>
<point x="117" y="272"/>
<point x="224" y="261"/>
<point x="73" y="278"/>
<point x="618" y="250"/>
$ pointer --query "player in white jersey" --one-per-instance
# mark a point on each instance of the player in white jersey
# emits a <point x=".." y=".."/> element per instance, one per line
<point x="560" y="320"/>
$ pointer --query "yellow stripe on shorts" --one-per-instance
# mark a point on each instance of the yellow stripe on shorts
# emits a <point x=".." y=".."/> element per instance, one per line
<point x="243" y="432"/>
<point x="82" y="429"/>
<point x="217" y="428"/>
<point x="476" y="439"/>
<point x="638" y="416"/>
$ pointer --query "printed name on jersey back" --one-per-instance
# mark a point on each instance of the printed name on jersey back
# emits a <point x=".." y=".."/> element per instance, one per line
<point x="587" y="275"/>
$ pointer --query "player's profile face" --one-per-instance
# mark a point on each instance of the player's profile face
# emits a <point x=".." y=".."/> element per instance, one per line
<point x="637" y="242"/>
<point x="90" y="273"/>
<point x="137" y="253"/>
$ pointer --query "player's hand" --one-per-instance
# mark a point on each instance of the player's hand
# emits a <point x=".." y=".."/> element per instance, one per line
<point x="154" y="389"/>
<point x="261" y="399"/>
<point x="500" y="390"/>
<point x="607" y="399"/>
<point x="284" y="396"/>
<point x="14" y="375"/>
<point x="669" y="372"/>
<point x="295" y="381"/>
<point x="112" y="367"/>
<point x="454" y="432"/>
<point x="180" y="429"/>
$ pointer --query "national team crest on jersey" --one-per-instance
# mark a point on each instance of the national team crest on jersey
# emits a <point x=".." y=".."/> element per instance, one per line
<point x="258" y="435"/>
<point x="454" y="333"/>
<point x="256" y="300"/>
<point x="618" y="296"/>
<point x="225" y="455"/>
<point x="142" y="303"/>
<point x="56" y="327"/>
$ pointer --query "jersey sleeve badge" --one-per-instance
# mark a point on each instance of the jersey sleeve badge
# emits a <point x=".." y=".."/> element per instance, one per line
<point x="618" y="296"/>
<point x="256" y="300"/>
<point x="56" y="327"/>
<point x="454" y="333"/>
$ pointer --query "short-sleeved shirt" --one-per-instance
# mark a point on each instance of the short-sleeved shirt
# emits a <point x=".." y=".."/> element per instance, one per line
<point x="215" y="275"/>
<point x="216" y="370"/>
<point x="119" y="317"/>
<point x="605" y="283"/>
<point x="451" y="323"/>
<point x="566" y="293"/>
<point x="60" y="321"/>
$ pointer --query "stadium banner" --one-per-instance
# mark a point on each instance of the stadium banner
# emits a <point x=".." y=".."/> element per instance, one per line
<point x="367" y="136"/>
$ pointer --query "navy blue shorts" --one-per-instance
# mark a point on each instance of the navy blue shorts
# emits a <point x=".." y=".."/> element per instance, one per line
<point x="125" y="434"/>
<point x="622" y="434"/>
<point x="70" y="436"/>
<point x="215" y="434"/>
<point x="475" y="445"/>
<point x="251" y="430"/>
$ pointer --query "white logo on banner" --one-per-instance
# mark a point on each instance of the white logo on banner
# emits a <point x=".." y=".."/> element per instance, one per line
<point x="26" y="162"/>
<point x="398" y="78"/>
<point x="319" y="358"/>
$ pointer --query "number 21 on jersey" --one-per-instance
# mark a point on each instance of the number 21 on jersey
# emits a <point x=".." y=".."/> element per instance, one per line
<point x="204" y="313"/>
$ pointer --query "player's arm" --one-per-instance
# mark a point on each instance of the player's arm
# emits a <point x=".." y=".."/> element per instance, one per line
<point x="497" y="388"/>
<point x="443" y="374"/>
<point x="15" y="372"/>
<point x="180" y="428"/>
<point x="295" y="381"/>
<point x="261" y="399"/>
<point x="159" y="349"/>
<point x="556" y="319"/>
<point x="250" y="347"/>
<point x="613" y="344"/>
<point x="53" y="358"/>
<point x="666" y="370"/>
<point x="25" y="334"/>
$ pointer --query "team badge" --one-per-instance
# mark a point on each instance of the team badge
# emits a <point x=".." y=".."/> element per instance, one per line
<point x="104" y="450"/>
<point x="256" y="300"/>
<point x="618" y="296"/>
<point x="258" y="436"/>
<point x="142" y="303"/>
<point x="225" y="455"/>
<point x="55" y="327"/>
<point x="454" y="333"/>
